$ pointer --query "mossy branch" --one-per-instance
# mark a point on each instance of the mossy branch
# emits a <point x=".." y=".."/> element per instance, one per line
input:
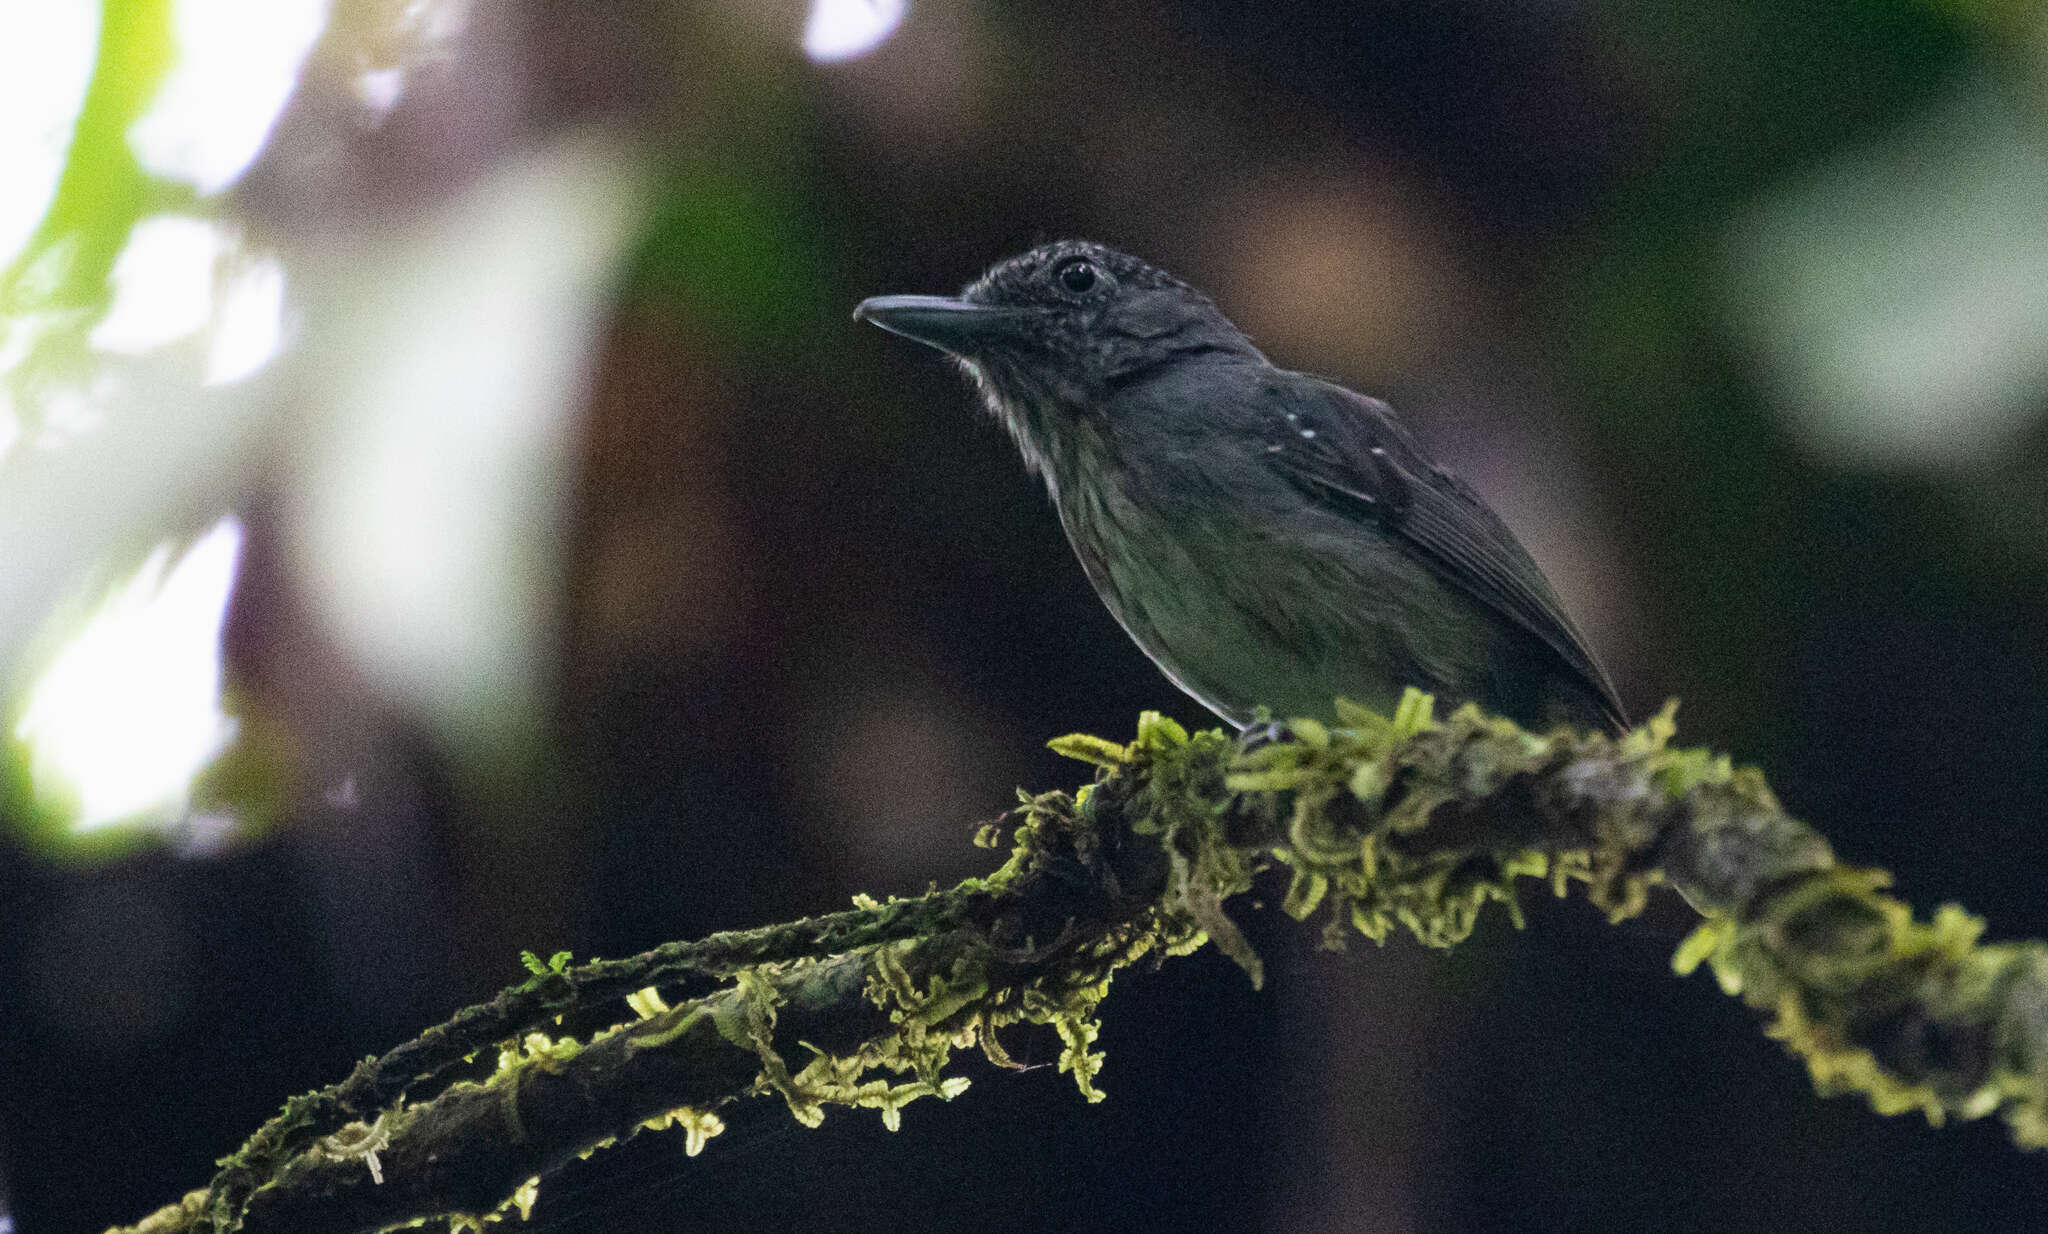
<point x="1382" y="824"/>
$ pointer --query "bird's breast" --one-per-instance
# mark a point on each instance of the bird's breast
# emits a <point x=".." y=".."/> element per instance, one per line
<point x="1241" y="614"/>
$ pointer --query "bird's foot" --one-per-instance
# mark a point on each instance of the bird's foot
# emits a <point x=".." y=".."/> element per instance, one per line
<point x="1262" y="733"/>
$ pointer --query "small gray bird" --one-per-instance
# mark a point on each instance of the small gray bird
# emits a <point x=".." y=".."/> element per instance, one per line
<point x="1268" y="538"/>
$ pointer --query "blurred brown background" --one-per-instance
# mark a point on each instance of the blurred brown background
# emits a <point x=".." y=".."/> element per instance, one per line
<point x="601" y="583"/>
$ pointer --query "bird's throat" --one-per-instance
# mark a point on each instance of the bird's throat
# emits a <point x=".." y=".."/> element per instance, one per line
<point x="1050" y="421"/>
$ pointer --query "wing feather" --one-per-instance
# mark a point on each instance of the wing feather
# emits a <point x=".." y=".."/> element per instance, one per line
<point x="1350" y="452"/>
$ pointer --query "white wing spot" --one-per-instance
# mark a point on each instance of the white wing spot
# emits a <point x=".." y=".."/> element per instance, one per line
<point x="1308" y="433"/>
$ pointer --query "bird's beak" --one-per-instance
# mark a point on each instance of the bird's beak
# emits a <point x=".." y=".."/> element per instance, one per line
<point x="945" y="322"/>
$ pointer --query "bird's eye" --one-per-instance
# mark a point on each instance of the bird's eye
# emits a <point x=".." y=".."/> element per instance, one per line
<point x="1078" y="276"/>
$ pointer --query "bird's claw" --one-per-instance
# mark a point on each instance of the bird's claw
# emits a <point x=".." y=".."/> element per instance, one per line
<point x="1262" y="733"/>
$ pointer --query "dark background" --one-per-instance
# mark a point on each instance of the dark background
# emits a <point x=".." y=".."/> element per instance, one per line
<point x="814" y="622"/>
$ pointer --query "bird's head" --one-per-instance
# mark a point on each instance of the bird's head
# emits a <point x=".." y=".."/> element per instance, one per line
<point x="1049" y="335"/>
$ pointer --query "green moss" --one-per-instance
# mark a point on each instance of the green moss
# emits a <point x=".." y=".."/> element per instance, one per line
<point x="1846" y="971"/>
<point x="1176" y="791"/>
<point x="1381" y="823"/>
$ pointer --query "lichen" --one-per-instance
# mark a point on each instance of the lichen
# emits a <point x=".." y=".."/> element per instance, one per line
<point x="360" y="1141"/>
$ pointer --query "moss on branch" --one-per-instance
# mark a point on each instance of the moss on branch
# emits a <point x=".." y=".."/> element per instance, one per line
<point x="1382" y="824"/>
<point x="1413" y="824"/>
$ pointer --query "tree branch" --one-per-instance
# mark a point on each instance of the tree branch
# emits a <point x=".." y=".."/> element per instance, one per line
<point x="1383" y="824"/>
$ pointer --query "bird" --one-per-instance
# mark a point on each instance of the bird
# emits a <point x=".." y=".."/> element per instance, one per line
<point x="1272" y="540"/>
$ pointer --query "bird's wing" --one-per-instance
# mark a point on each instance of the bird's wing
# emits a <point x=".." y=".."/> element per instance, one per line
<point x="1349" y="452"/>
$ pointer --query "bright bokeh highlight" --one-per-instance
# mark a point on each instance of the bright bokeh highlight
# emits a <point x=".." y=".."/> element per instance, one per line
<point x="844" y="29"/>
<point x="163" y="285"/>
<point x="248" y="322"/>
<point x="128" y="713"/>
<point x="1895" y="294"/>
<point x="47" y="50"/>
<point x="430" y="521"/>
<point x="180" y="276"/>
<point x="237" y="64"/>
